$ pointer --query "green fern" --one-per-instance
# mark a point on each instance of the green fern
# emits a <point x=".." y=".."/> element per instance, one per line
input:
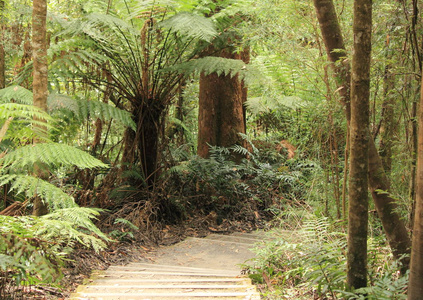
<point x="190" y="25"/>
<point x="82" y="109"/>
<point x="60" y="224"/>
<point x="32" y="187"/>
<point x="52" y="154"/>
<point x="16" y="93"/>
<point x="219" y="65"/>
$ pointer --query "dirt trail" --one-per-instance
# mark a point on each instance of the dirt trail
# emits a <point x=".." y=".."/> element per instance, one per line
<point x="197" y="268"/>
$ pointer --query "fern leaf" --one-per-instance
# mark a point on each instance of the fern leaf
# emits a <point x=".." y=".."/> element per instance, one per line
<point x="52" y="154"/>
<point x="24" y="111"/>
<point x="82" y="109"/>
<point x="16" y="93"/>
<point x="32" y="187"/>
<point x="219" y="65"/>
<point x="191" y="25"/>
<point x="62" y="222"/>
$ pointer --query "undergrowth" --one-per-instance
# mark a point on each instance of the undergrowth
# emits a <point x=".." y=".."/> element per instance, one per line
<point x="310" y="263"/>
<point x="219" y="184"/>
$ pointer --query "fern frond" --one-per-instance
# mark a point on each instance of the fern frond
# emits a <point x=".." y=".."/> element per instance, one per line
<point x="52" y="154"/>
<point x="23" y="111"/>
<point x="240" y="150"/>
<point x="219" y="65"/>
<point x="16" y="93"/>
<point x="62" y="223"/>
<point x="32" y="187"/>
<point x="82" y="109"/>
<point x="191" y="25"/>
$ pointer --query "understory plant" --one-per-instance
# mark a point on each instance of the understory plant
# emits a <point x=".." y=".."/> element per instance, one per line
<point x="32" y="249"/>
<point x="310" y="263"/>
<point x="224" y="186"/>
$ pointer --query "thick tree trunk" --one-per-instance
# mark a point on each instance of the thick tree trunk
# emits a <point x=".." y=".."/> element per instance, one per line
<point x="359" y="139"/>
<point x="221" y="113"/>
<point x="142" y="147"/>
<point x="415" y="286"/>
<point x="394" y="227"/>
<point x="40" y="81"/>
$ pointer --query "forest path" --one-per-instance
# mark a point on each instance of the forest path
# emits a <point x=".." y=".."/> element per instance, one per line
<point x="196" y="268"/>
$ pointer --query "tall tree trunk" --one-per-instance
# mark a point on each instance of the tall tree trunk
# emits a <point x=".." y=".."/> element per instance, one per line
<point x="2" y="54"/>
<point x="359" y="130"/>
<point x="387" y="123"/>
<point x="221" y="114"/>
<point x="415" y="286"/>
<point x="394" y="227"/>
<point x="40" y="92"/>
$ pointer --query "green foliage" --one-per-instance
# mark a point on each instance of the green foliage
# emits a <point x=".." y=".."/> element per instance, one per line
<point x="32" y="187"/>
<point x="191" y="26"/>
<point x="311" y="262"/>
<point x="53" y="155"/>
<point x="33" y="249"/>
<point x="83" y="109"/>
<point x="219" y="65"/>
<point x="124" y="233"/>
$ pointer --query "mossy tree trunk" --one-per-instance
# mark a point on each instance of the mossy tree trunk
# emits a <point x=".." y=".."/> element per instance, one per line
<point x="40" y="80"/>
<point x="415" y="286"/>
<point x="394" y="227"/>
<point x="221" y="112"/>
<point x="359" y="144"/>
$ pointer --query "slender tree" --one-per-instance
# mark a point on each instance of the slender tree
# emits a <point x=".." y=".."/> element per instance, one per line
<point x="2" y="54"/>
<point x="385" y="204"/>
<point x="40" y="91"/>
<point x="415" y="286"/>
<point x="359" y="130"/>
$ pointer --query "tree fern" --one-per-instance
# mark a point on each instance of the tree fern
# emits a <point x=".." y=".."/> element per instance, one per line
<point x="52" y="154"/>
<point x="82" y="109"/>
<point x="219" y="65"/>
<point x="60" y="224"/>
<point x="16" y="93"/>
<point x="32" y="187"/>
<point x="191" y="25"/>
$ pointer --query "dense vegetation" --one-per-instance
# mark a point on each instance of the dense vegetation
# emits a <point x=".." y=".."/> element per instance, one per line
<point x="113" y="154"/>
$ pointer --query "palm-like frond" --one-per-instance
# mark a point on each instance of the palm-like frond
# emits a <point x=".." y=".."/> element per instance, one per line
<point x="191" y="25"/>
<point x="219" y="65"/>
<point x="82" y="109"/>
<point x="23" y="111"/>
<point x="16" y="93"/>
<point x="52" y="154"/>
<point x="32" y="187"/>
<point x="61" y="223"/>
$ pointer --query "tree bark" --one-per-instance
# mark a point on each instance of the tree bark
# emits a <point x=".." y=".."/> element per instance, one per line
<point x="394" y="227"/>
<point x="2" y="54"/>
<point x="415" y="286"/>
<point x="221" y="113"/>
<point x="360" y="136"/>
<point x="40" y="92"/>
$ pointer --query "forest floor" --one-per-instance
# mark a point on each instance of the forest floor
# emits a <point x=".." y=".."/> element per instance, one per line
<point x="196" y="267"/>
<point x="140" y="248"/>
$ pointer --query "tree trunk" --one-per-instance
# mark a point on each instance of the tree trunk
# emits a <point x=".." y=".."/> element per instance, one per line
<point x="415" y="286"/>
<point x="359" y="139"/>
<point x="394" y="227"/>
<point x="221" y="114"/>
<point x="2" y="54"/>
<point x="40" y="92"/>
<point x="142" y="147"/>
